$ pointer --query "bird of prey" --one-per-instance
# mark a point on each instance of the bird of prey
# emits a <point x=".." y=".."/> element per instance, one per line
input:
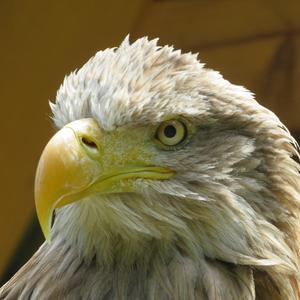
<point x="166" y="182"/>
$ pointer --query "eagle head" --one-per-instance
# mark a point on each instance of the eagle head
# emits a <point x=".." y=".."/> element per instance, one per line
<point x="160" y="161"/>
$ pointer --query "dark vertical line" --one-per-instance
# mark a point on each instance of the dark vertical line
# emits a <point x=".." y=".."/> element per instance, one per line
<point x="279" y="78"/>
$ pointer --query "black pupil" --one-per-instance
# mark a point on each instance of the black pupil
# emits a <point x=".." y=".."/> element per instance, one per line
<point x="170" y="131"/>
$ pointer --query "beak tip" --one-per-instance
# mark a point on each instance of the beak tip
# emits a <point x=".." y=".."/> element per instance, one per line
<point x="45" y="224"/>
<point x="47" y="236"/>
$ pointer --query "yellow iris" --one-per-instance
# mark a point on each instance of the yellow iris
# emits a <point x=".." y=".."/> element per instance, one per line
<point x="171" y="132"/>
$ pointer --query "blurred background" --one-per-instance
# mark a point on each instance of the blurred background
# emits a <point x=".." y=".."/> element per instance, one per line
<point x="252" y="43"/>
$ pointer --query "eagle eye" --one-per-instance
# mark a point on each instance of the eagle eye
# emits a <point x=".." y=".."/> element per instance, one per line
<point x="171" y="133"/>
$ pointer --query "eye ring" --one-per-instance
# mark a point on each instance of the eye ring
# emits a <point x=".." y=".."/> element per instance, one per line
<point x="171" y="133"/>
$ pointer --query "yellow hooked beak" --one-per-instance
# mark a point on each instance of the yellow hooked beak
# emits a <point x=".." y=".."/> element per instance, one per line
<point x="76" y="163"/>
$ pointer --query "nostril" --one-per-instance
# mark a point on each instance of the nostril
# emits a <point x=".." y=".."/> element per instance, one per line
<point x="89" y="143"/>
